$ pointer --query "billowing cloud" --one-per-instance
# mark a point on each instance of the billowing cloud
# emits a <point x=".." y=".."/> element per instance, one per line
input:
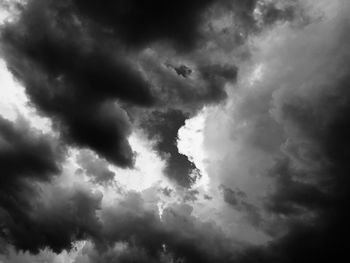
<point x="287" y="151"/>
<point x="72" y="83"/>
<point x="66" y="215"/>
<point x="26" y="156"/>
<point x="26" y="153"/>
<point x="179" y="168"/>
<point x="243" y="105"/>
<point x="28" y="159"/>
<point x="85" y="79"/>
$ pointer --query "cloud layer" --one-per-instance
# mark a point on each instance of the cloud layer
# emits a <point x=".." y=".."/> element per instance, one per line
<point x="263" y="83"/>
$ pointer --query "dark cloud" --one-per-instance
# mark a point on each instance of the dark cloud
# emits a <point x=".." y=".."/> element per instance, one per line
<point x="238" y="200"/>
<point x="28" y="157"/>
<point x="218" y="76"/>
<point x="83" y="77"/>
<point x="183" y="90"/>
<point x="74" y="71"/>
<point x="232" y="197"/>
<point x="312" y="182"/>
<point x="163" y="128"/>
<point x="72" y="80"/>
<point x="183" y="71"/>
<point x="53" y="39"/>
<point x="55" y="220"/>
<point x="178" y="235"/>
<point x="270" y="13"/>
<point x="26" y="153"/>
<point x="216" y="72"/>
<point x="292" y="196"/>
<point x="138" y="22"/>
<point x="204" y="81"/>
<point x="207" y="197"/>
<point x="94" y="167"/>
<point x="127" y="231"/>
<point x="90" y="89"/>
<point x="34" y="214"/>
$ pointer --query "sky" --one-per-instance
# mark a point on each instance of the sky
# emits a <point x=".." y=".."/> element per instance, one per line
<point x="201" y="131"/>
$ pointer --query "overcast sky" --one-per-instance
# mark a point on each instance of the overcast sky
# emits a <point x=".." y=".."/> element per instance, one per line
<point x="153" y="131"/>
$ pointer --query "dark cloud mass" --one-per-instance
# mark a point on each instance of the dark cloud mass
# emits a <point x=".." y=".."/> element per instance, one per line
<point x="177" y="236"/>
<point x="179" y="168"/>
<point x="74" y="71"/>
<point x="70" y="216"/>
<point x="24" y="153"/>
<point x="271" y="81"/>
<point x="312" y="190"/>
<point x="28" y="158"/>
<point x="30" y="219"/>
<point x="138" y="22"/>
<point x="73" y="81"/>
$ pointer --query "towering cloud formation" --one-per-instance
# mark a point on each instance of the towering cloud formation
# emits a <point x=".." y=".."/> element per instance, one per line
<point x="272" y="77"/>
<point x="287" y="131"/>
<point x="71" y="79"/>
<point x="75" y="70"/>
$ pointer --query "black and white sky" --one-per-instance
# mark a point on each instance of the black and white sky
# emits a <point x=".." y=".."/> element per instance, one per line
<point x="154" y="131"/>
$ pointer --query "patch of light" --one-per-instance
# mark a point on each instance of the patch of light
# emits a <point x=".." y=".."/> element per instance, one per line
<point x="257" y="13"/>
<point x="71" y="255"/>
<point x="14" y="101"/>
<point x="256" y="74"/>
<point x="5" y="13"/>
<point x="190" y="143"/>
<point x="72" y="177"/>
<point x="9" y="10"/>
<point x="161" y="207"/>
<point x="45" y="255"/>
<point x="148" y="169"/>
<point x="69" y="176"/>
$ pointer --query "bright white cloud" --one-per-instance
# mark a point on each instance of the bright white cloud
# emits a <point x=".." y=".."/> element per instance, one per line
<point x="190" y="143"/>
<point x="148" y="169"/>
<point x="14" y="102"/>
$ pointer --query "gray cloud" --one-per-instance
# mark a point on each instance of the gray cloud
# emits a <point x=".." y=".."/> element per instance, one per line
<point x="281" y="138"/>
<point x="94" y="167"/>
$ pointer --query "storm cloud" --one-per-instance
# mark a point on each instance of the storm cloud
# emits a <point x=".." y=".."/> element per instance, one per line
<point x="257" y="173"/>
